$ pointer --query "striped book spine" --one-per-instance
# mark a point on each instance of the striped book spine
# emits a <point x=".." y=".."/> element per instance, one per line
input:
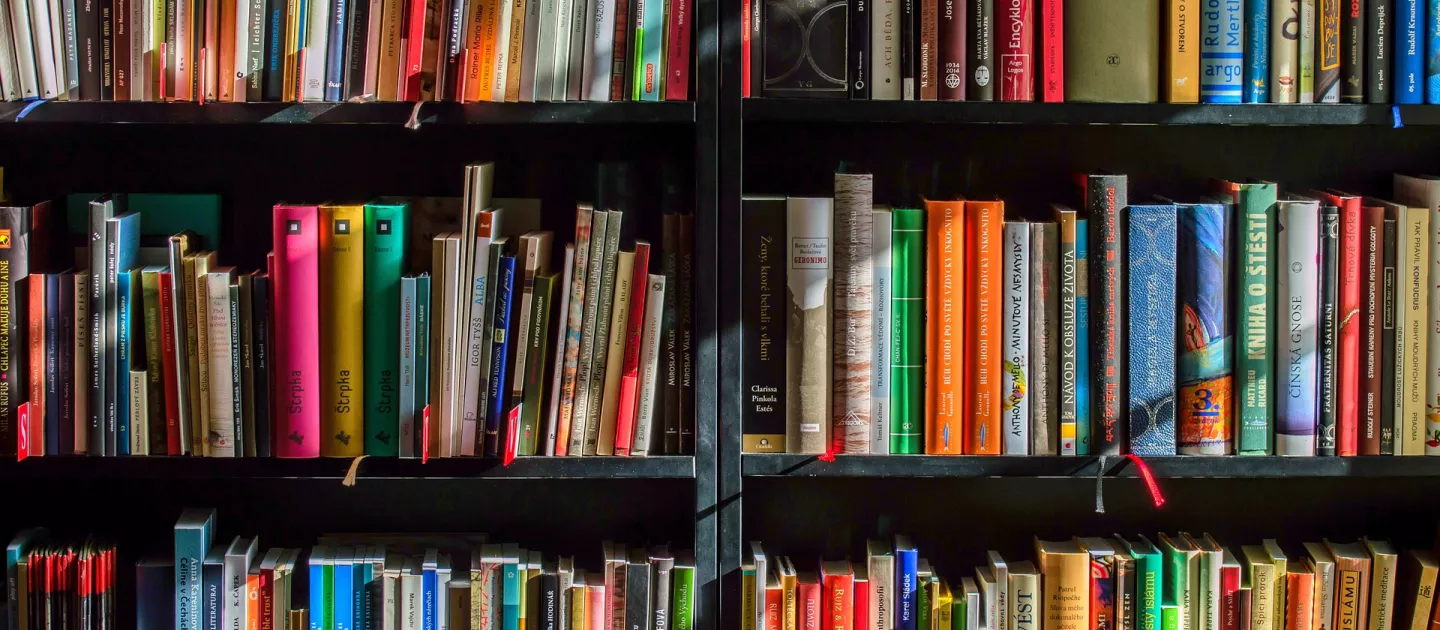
<point x="1221" y="52"/>
<point x="1015" y="364"/>
<point x="1152" y="240"/>
<point x="1206" y="336"/>
<point x="882" y="326"/>
<point x="1297" y="289"/>
<point x="854" y="311"/>
<point x="907" y="311"/>
<point x="1069" y="343"/>
<point x="297" y="330"/>
<point x="944" y="360"/>
<point x="984" y="233"/>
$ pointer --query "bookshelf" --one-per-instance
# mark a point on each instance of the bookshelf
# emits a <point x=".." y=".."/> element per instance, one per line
<point x="627" y="113"/>
<point x="635" y="469"/>
<point x="916" y="466"/>
<point x="949" y="112"/>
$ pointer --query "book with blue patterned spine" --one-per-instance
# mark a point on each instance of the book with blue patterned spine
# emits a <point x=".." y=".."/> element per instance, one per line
<point x="907" y="337"/>
<point x="1431" y="37"/>
<point x="1222" y="52"/>
<point x="1015" y="364"/>
<point x="1153" y="230"/>
<point x="1203" y="254"/>
<point x="1297" y="289"/>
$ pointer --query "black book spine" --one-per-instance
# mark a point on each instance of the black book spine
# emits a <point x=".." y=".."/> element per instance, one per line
<point x="273" y="83"/>
<point x="1104" y="197"/>
<point x="449" y="76"/>
<point x="981" y="59"/>
<point x="255" y="80"/>
<point x="637" y="594"/>
<point x="1379" y="31"/>
<point x="14" y="309"/>
<point x="1352" y="52"/>
<point x="685" y="325"/>
<point x="99" y="212"/>
<point x="757" y="52"/>
<point x="66" y="352"/>
<point x="550" y="602"/>
<point x="358" y="29"/>
<point x="1389" y="264"/>
<point x="52" y="364"/>
<point x="762" y="325"/>
<point x="87" y="36"/>
<point x="669" y="355"/>
<point x="260" y="360"/>
<point x="106" y="50"/>
<point x="1329" y="327"/>
<point x="858" y="51"/>
<point x="110" y="336"/>
<point x="197" y="49"/>
<point x="909" y="47"/>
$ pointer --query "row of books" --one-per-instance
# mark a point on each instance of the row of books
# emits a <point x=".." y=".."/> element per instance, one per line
<point x="1176" y="51"/>
<point x="1251" y="322"/>
<point x="190" y="357"/>
<point x="60" y="583"/>
<point x="1118" y="583"/>
<point x="345" y="50"/>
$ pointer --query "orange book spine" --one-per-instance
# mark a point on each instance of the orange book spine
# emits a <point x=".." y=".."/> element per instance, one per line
<point x="225" y="42"/>
<point x="37" y="363"/>
<point x="1300" y="600"/>
<point x="944" y="328"/>
<point x="774" y="603"/>
<point x="985" y="221"/>
<point x="252" y="601"/>
<point x="839" y="602"/>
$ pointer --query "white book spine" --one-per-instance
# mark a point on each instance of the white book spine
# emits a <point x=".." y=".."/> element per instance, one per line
<point x="810" y="316"/>
<point x="182" y="68"/>
<point x="222" y="398"/>
<point x="149" y="47"/>
<point x="882" y="589"/>
<point x="410" y="587"/>
<point x="474" y="399"/>
<point x="9" y="71"/>
<point x="853" y="332"/>
<point x="1297" y="291"/>
<point x="407" y="368"/>
<point x="139" y="408"/>
<point x="560" y="62"/>
<point x="579" y="423"/>
<point x="1285" y="53"/>
<point x="881" y="235"/>
<point x="241" y="40"/>
<point x="649" y="364"/>
<point x="543" y="69"/>
<point x="530" y="47"/>
<point x="1015" y="408"/>
<point x="600" y="44"/>
<point x="44" y="48"/>
<point x="1213" y="605"/>
<point x="57" y="49"/>
<point x="552" y="428"/>
<point x="502" y="50"/>
<point x="24" y="48"/>
<point x="312" y="82"/>
<point x="1306" y="93"/>
<point x="449" y="426"/>
<point x="1415" y="278"/>
<point x="579" y="48"/>
<point x="141" y="23"/>
<point x="885" y="46"/>
<point x="72" y="58"/>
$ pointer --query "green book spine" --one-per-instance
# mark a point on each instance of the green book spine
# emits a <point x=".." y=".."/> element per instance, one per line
<point x="957" y="614"/>
<point x="907" y="308"/>
<point x="422" y="350"/>
<point x="1256" y="359"/>
<point x="384" y="262"/>
<point x="154" y="380"/>
<point x="1151" y="574"/>
<point x="1170" y="617"/>
<point x="922" y="602"/>
<point x="535" y="395"/>
<point x="327" y="587"/>
<point x="1176" y="580"/>
<point x="682" y="606"/>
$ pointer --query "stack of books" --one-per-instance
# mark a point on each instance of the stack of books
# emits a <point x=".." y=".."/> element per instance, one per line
<point x="57" y="583"/>
<point x="1248" y="321"/>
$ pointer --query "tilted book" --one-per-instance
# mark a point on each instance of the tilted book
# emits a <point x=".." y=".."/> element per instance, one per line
<point x="1015" y="364"/>
<point x="882" y="232"/>
<point x="384" y="245"/>
<point x="1297" y="292"/>
<point x="574" y="318"/>
<point x="535" y="394"/>
<point x="984" y="233"/>
<point x="14" y="267"/>
<point x="595" y="410"/>
<point x="500" y="354"/>
<point x="535" y="252"/>
<point x="342" y="339"/>
<point x="640" y="289"/>
<point x="808" y="320"/>
<point x="1205" y="346"/>
<point x="297" y="330"/>
<point x="1104" y="198"/>
<point x="1153" y="233"/>
<point x="1044" y="338"/>
<point x="560" y="313"/>
<point x="585" y="340"/>
<point x="944" y="328"/>
<point x="854" y="313"/>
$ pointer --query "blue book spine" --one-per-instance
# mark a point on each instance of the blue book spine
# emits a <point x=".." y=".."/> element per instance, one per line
<point x="510" y="597"/>
<point x="317" y="593"/>
<point x="190" y="548"/>
<point x="344" y="596"/>
<point x="500" y="351"/>
<point x="1409" y="52"/>
<point x="1152" y="319"/>
<point x="1222" y="52"/>
<point x="427" y="599"/>
<point x="335" y="53"/>
<point x="1205" y="382"/>
<point x="906" y="573"/>
<point x="357" y="593"/>
<point x="122" y="359"/>
<point x="1257" y="50"/>
<point x="1432" y="52"/>
<point x="364" y="616"/>
<point x="1082" y="338"/>
<point x="53" y="399"/>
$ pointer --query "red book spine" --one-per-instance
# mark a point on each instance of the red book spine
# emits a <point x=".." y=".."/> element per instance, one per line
<point x="1230" y="598"/>
<point x="1017" y="65"/>
<point x="774" y="603"/>
<point x="860" y="610"/>
<point x="952" y="50"/>
<point x="1347" y="424"/>
<point x="745" y="6"/>
<point x="37" y="363"/>
<point x="1052" y="50"/>
<point x="1372" y="303"/>
<point x="267" y="599"/>
<point x="168" y="368"/>
<point x="811" y="606"/>
<point x="22" y="434"/>
<point x="634" y="331"/>
<point x="677" y="63"/>
<point x="297" y="330"/>
<point x="620" y="53"/>
<point x="1102" y="593"/>
<point x="413" y="33"/>
<point x="839" y="602"/>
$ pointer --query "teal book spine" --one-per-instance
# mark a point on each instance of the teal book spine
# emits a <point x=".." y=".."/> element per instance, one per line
<point x="510" y="597"/>
<point x="384" y="263"/>
<point x="907" y="307"/>
<point x="682" y="607"/>
<point x="123" y="351"/>
<point x="649" y="35"/>
<point x="1082" y="337"/>
<point x="1256" y="360"/>
<point x="1150" y="576"/>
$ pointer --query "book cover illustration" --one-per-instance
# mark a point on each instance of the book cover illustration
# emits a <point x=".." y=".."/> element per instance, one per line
<point x="1206" y="335"/>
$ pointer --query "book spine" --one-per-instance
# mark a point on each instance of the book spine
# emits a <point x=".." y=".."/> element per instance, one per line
<point x="1069" y="341"/>
<point x="81" y="361"/>
<point x="25" y="51"/>
<point x="670" y="353"/>
<point x="980" y="56"/>
<point x="53" y="399"/>
<point x="9" y="71"/>
<point x="882" y="324"/>
<point x="475" y="366"/>
<point x="318" y="21"/>
<point x="1306" y="55"/>
<point x="514" y="64"/>
<point x="357" y="50"/>
<point x="1348" y="358"/>
<point x="884" y="50"/>
<point x="573" y="323"/>
<point x="335" y="50"/>
<point x="1015" y="366"/>
<point x="1300" y="606"/>
<point x="624" y="43"/>
<point x="1329" y="328"/>
<point x="1327" y="52"/>
<point x="1409" y="52"/>
<point x="808" y="382"/>
<point x="1017" y="65"/>
<point x="984" y="233"/>
<point x="1415" y="277"/>
<point x="87" y="40"/>
<point x="615" y="352"/>
<point x="1230" y="598"/>
<point x="1150" y="577"/>
<point x="1352" y="52"/>
<point x="1154" y="231"/>
<point x="579" y="429"/>
<point x="640" y="289"/>
<point x="1206" y="386"/>
<point x="1082" y="336"/>
<point x="858" y="49"/>
<point x="1256" y="336"/>
<point x="449" y="71"/>
<point x="1102" y="591"/>
<point x="45" y="60"/>
<point x="1221" y="53"/>
<point x="1105" y="195"/>
<point x="384" y="247"/>
<point x="154" y="366"/>
<point x="272" y="85"/>
<point x="99" y="213"/>
<point x="1257" y="51"/>
<point x="1378" y="32"/>
<point x="36" y="399"/>
<point x="1372" y="302"/>
<point x="907" y="313"/>
<point x="906" y="591"/>
<point x="173" y="441"/>
<point x="945" y="280"/>
<point x="908" y="47"/>
<point x="297" y="331"/>
<point x="600" y="44"/>
<point x="649" y="75"/>
<point x="854" y="309"/>
<point x="749" y="60"/>
<point x="1052" y="50"/>
<point x="1284" y="50"/>
<point x="423" y="315"/>
<point x="686" y="325"/>
<point x="342" y="340"/>
<point x="65" y="347"/>
<point x="222" y="403"/>
<point x="603" y="318"/>
<point x="261" y="371"/>
<point x="406" y="411"/>
<point x="677" y="50"/>
<point x="500" y="354"/>
<point x="1182" y="71"/>
<point x="929" y="75"/>
<point x="14" y="267"/>
<point x="412" y="40"/>
<point x="1297" y="286"/>
<point x="952" y="51"/>
<point x="649" y="370"/>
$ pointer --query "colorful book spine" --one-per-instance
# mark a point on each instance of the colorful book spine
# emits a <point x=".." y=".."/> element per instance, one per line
<point x="175" y="444"/>
<point x="1150" y="576"/>
<point x="297" y="330"/>
<point x="1329" y="328"/>
<point x="907" y="309"/>
<point x="496" y="416"/>
<point x="906" y="587"/>
<point x="1105" y="197"/>
<point x="808" y="384"/>
<point x="1431" y="38"/>
<point x="384" y="245"/>
<point x="1015" y="366"/>
<point x="1414" y="279"/>
<point x="14" y="267"/>
<point x="945" y="276"/>
<point x="1153" y="233"/>
<point x="1297" y="288"/>
<point x="1052" y="50"/>
<point x="1255" y="358"/>
<point x="1182" y="71"/>
<point x="1204" y="370"/>
<point x="1070" y="342"/>
<point x="342" y="339"/>
<point x="423" y="324"/>
<point x="1327" y="52"/>
<point x="1257" y="51"/>
<point x="1222" y="53"/>
<point x="984" y="235"/>
<point x="1284" y="50"/>
<point x="124" y="350"/>
<point x="1409" y="33"/>
<point x="854" y="311"/>
<point x="882" y="233"/>
<point x="1307" y="56"/>
<point x="1016" y="52"/>
<point x="1347" y="421"/>
<point x="573" y="322"/>
<point x="1082" y="336"/>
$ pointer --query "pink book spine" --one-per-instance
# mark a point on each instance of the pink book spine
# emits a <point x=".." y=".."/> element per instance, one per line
<point x="1015" y="49"/>
<point x="595" y="605"/>
<point x="677" y="65"/>
<point x="634" y="330"/>
<point x="297" y="330"/>
<point x="1052" y="51"/>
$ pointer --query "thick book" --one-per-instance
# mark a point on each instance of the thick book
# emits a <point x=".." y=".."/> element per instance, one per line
<point x="342" y="339"/>
<point x="1044" y="338"/>
<point x="984" y="235"/>
<point x="296" y="283"/>
<point x="1153" y="234"/>
<point x="1255" y="353"/>
<point x="154" y="359"/>
<point x="1222" y="46"/>
<point x="980" y="50"/>
<point x="1348" y="359"/>
<point x="1353" y="52"/>
<point x="1422" y="194"/>
<point x="579" y="426"/>
<point x="535" y="260"/>
<point x="763" y="325"/>
<point x="101" y="210"/>
<point x="1297" y="290"/>
<point x="678" y="16"/>
<point x="1015" y="338"/>
<point x="945" y="327"/>
<point x="1070" y="343"/>
<point x="1204" y="377"/>
<point x="882" y="235"/>
<point x="854" y="311"/>
<point x="1411" y="304"/>
<point x="1327" y="53"/>
<point x="603" y="319"/>
<point x="906" y="331"/>
<point x="1329" y="328"/>
<point x="808" y="365"/>
<point x="1015" y="50"/>
<point x="1104" y="199"/>
<point x="384" y="252"/>
<point x="1064" y="569"/>
<point x="1257" y="51"/>
<point x="1100" y="67"/>
<point x="194" y="532"/>
<point x="1409" y="51"/>
<point x="536" y="393"/>
<point x="1181" y="79"/>
<point x="31" y="434"/>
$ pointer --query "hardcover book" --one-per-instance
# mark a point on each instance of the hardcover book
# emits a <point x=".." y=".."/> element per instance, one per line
<point x="1015" y="364"/>
<point x="984" y="235"/>
<point x="1070" y="343"/>
<point x="1104" y="198"/>
<point x="342" y="340"/>
<point x="384" y="245"/>
<point x="1257" y="51"/>
<point x="882" y="231"/>
<point x="805" y="49"/>
<point x="1297" y="288"/>
<point x="1327" y="53"/>
<point x="297" y="330"/>
<point x="808" y="320"/>
<point x="1353" y="52"/>
<point x="1153" y="233"/>
<point x="1206" y="333"/>
<point x="980" y="60"/>
<point x="858" y="48"/>
<point x="1182" y="54"/>
<point x="1222" y="48"/>
<point x="1329" y="328"/>
<point x="907" y="312"/>
<point x="1307" y="54"/>
<point x="945" y="357"/>
<point x="1409" y="51"/>
<point x="1284" y="51"/>
<point x="14" y="267"/>
<point x="1411" y="314"/>
<point x="1348" y="359"/>
<point x="854" y="313"/>
<point x="1017" y="67"/>
<point x="763" y="331"/>
<point x="1424" y="192"/>
<point x="1082" y="333"/>
<point x="1044" y="338"/>
<point x="1255" y="356"/>
<point x="952" y="51"/>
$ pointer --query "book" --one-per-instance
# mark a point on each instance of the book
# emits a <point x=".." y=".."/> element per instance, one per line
<point x="194" y="531"/>
<point x="1069" y="341"/>
<point x="857" y="49"/>
<point x="1105" y="196"/>
<point x="1327" y="52"/>
<point x="1372" y="305"/>
<point x="1321" y="562"/>
<point x="1052" y="50"/>
<point x="1257" y="51"/>
<point x="1384" y="564"/>
<point x="1082" y="333"/>
<point x="1153" y="232"/>
<point x="808" y="365"/>
<point x="1328" y="338"/>
<point x="297" y="330"/>
<point x="952" y="51"/>
<point x="497" y="417"/>
<point x="569" y="434"/>
<point x="764" y="408"/>
<point x="1182" y="69"/>
<point x="1417" y="593"/>
<point x="854" y="313"/>
<point x="1424" y="192"/>
<point x="532" y="406"/>
<point x="535" y="260"/>
<point x="945" y="327"/>
<point x="1284" y="51"/>
<point x="1015" y="365"/>
<point x="1203" y="374"/>
<point x="14" y="268"/>
<point x="595" y="304"/>
<point x="1348" y="333"/>
<point x="384" y="246"/>
<point x="884" y="49"/>
<point x="221" y="440"/>
<point x="1413" y="272"/>
<point x="984" y="232"/>
<point x="1255" y="352"/>
<point x="1222" y="46"/>
<point x="1352" y="584"/>
<point x="980" y="59"/>
<point x="1307" y="58"/>
<point x="1409" y="52"/>
<point x="615" y="359"/>
<point x="882" y="324"/>
<point x="1389" y="366"/>
<point x="1353" y="53"/>
<point x="1065" y="572"/>
<point x="342" y="270"/>
<point x="1297" y="250"/>
<point x="1015" y="50"/>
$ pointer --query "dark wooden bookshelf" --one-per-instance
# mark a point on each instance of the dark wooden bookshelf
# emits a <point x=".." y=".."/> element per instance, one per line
<point x="900" y="466"/>
<point x="389" y="468"/>
<point x="769" y="110"/>
<point x="399" y="114"/>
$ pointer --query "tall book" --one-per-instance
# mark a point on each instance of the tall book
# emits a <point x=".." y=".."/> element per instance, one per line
<point x="1409" y="51"/>
<point x="1104" y="198"/>
<point x="854" y="313"/>
<point x="384" y="244"/>
<point x="1153" y="233"/>
<point x="1082" y="327"/>
<point x="222" y="434"/>
<point x="263" y="370"/>
<point x="763" y="325"/>
<point x="1411" y="306"/>
<point x="1306" y="55"/>
<point x="1353" y="52"/>
<point x="649" y="367"/>
<point x="101" y="210"/>
<point x="1424" y="192"/>
<point x="1384" y="583"/>
<point x="497" y="415"/>
<point x="1222" y="48"/>
<point x="984" y="233"/>
<point x="1051" y="24"/>
<point x="1327" y="52"/>
<point x="1372" y="305"/>
<point x="1328" y="340"/>
<point x="1070" y="342"/>
<point x="600" y="368"/>
<point x="951" y="49"/>
<point x="882" y="233"/>
<point x="1064" y="574"/>
<point x="178" y="248"/>
<point x="808" y="364"/>
<point x="1044" y="338"/>
<point x="573" y="327"/>
<point x="945" y="328"/>
<point x="1284" y="51"/>
<point x="884" y="49"/>
<point x="1015" y="48"/>
<point x="1257" y="51"/>
<point x="1015" y="335"/>
<point x="1348" y="359"/>
<point x="342" y="297"/>
<point x="1206" y="389"/>
<point x="535" y="252"/>
<point x="594" y="304"/>
<point x="642" y="289"/>
<point x="14" y="267"/>
<point x="980" y="60"/>
<point x="615" y="354"/>
<point x="1255" y="355"/>
<point x="1181" y="79"/>
<point x="1297" y="288"/>
<point x="297" y="330"/>
<point x="122" y="242"/>
<point x="194" y="532"/>
<point x="1391" y="396"/>
<point x="1136" y="72"/>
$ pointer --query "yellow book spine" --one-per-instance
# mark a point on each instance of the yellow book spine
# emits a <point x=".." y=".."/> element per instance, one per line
<point x="203" y="263"/>
<point x="788" y="619"/>
<point x="747" y="599"/>
<point x="1348" y="590"/>
<point x="1182" y="79"/>
<point x="489" y="21"/>
<point x="615" y="356"/>
<point x="342" y="338"/>
<point x="1415" y="339"/>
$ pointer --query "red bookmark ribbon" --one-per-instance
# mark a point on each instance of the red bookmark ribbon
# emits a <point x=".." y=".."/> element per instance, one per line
<point x="1149" y="477"/>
